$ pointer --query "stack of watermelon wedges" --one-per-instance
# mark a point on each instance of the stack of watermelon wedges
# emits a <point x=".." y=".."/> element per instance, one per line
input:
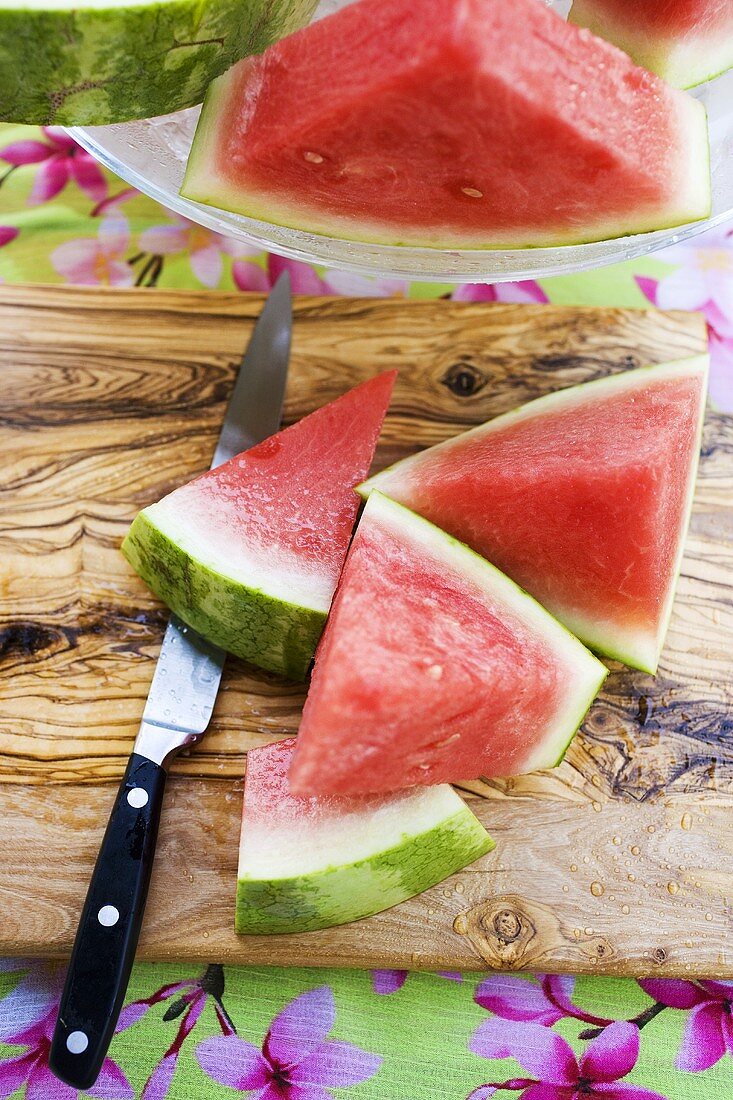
<point x="434" y="666"/>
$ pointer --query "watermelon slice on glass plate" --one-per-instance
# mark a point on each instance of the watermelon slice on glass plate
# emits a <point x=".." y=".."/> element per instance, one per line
<point x="307" y="863"/>
<point x="434" y="667"/>
<point x="583" y="497"/>
<point x="684" y="41"/>
<point x="249" y="553"/>
<point x="451" y="123"/>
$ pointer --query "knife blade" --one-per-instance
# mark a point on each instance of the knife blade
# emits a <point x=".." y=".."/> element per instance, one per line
<point x="177" y="712"/>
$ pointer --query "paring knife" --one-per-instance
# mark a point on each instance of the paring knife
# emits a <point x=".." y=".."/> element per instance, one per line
<point x="177" y="712"/>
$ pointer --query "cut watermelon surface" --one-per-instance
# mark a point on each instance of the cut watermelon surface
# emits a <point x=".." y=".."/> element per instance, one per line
<point x="684" y="41"/>
<point x="444" y="123"/>
<point x="307" y="863"/>
<point x="248" y="554"/>
<point x="434" y="667"/>
<point x="583" y="497"/>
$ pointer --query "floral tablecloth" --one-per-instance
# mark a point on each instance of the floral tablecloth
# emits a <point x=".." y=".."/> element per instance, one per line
<point x="275" y="1034"/>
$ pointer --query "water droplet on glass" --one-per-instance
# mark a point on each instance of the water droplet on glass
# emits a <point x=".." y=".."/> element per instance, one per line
<point x="573" y="866"/>
<point x="686" y="821"/>
<point x="596" y="889"/>
<point x="624" y="909"/>
<point x="673" y="887"/>
<point x="617" y="840"/>
<point x="634" y="849"/>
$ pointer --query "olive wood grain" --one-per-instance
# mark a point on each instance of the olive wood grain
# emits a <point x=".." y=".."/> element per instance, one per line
<point x="615" y="862"/>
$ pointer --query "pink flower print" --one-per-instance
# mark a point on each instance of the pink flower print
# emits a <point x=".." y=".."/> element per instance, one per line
<point x="190" y="1000"/>
<point x="522" y="1001"/>
<point x="27" y="1019"/>
<point x="304" y="279"/>
<point x="703" y="282"/>
<point x="704" y="278"/>
<point x="555" y="1072"/>
<point x="100" y="260"/>
<point x="390" y="981"/>
<point x="297" y="1060"/>
<point x="709" y="1029"/>
<point x="525" y="292"/>
<point x="7" y="234"/>
<point x="204" y="247"/>
<point x="60" y="160"/>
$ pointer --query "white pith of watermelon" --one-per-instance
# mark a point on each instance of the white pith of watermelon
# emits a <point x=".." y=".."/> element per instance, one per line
<point x="684" y="41"/>
<point x="307" y="863"/>
<point x="487" y="135"/>
<point x="89" y="62"/>
<point x="434" y="667"/>
<point x="248" y="554"/>
<point x="582" y="496"/>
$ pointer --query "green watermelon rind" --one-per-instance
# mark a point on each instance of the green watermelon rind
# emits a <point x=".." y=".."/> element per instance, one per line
<point x="99" y="64"/>
<point x="339" y="894"/>
<point x="644" y="658"/>
<point x="274" y="633"/>
<point x="202" y="184"/>
<point x="679" y="68"/>
<point x="591" y="672"/>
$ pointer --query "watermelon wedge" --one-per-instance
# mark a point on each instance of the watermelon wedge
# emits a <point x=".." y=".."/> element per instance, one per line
<point x="248" y="554"/>
<point x="89" y="62"/>
<point x="684" y="41"/>
<point x="307" y="863"/>
<point x="446" y="123"/>
<point x="583" y="497"/>
<point x="433" y="668"/>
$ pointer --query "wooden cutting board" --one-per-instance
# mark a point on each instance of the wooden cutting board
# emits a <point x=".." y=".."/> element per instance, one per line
<point x="620" y="861"/>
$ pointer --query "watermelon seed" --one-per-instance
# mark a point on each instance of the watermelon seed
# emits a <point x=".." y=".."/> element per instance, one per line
<point x="472" y="192"/>
<point x="314" y="158"/>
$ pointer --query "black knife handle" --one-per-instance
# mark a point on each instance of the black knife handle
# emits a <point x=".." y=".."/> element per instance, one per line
<point x="104" y="948"/>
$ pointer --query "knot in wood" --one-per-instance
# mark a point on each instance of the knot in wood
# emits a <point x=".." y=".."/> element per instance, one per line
<point x="464" y="379"/>
<point x="507" y="925"/>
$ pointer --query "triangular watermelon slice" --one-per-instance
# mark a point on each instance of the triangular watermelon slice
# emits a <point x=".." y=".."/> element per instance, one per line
<point x="583" y="497"/>
<point x="450" y="123"/>
<point x="684" y="41"/>
<point x="307" y="863"/>
<point x="434" y="667"/>
<point x="248" y="554"/>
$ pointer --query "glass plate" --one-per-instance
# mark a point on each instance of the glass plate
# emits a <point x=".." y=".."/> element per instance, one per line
<point x="151" y="155"/>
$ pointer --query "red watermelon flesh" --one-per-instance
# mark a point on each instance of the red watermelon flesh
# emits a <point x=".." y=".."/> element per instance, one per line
<point x="582" y="497"/>
<point x="450" y="122"/>
<point x="434" y="668"/>
<point x="288" y="503"/>
<point x="684" y="41"/>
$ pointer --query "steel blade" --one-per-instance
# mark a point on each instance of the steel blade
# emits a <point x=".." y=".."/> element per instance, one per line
<point x="188" y="671"/>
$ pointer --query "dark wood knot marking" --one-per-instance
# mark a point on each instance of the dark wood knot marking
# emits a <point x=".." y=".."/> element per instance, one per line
<point x="26" y="639"/>
<point x="507" y="925"/>
<point x="464" y="379"/>
<point x="514" y="933"/>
